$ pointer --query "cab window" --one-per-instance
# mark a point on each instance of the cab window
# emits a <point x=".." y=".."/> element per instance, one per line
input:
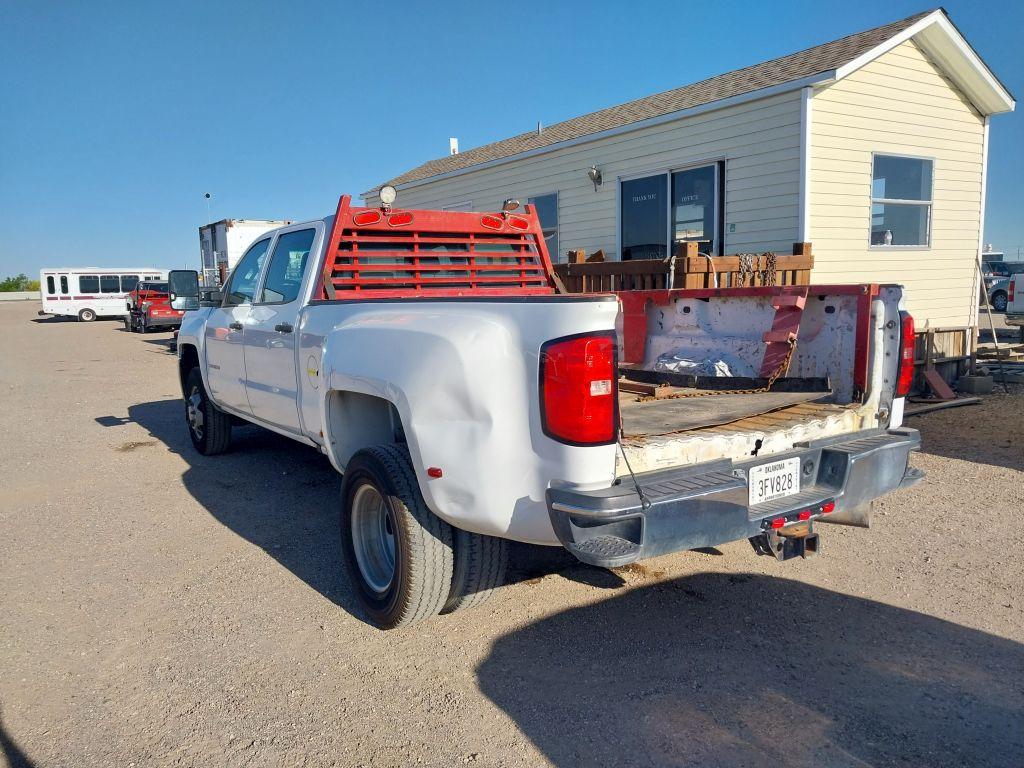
<point x="242" y="284"/>
<point x="287" y="265"/>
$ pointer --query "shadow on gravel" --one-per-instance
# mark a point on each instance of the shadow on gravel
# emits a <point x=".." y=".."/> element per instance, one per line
<point x="15" y="757"/>
<point x="284" y="498"/>
<point x="989" y="433"/>
<point x="748" y="670"/>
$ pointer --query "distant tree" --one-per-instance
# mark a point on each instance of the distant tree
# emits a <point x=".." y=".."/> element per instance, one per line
<point x="18" y="283"/>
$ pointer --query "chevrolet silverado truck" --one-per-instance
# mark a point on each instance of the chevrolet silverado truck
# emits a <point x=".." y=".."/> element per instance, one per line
<point x="466" y="401"/>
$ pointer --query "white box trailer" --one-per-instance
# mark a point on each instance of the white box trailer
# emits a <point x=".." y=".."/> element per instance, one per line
<point x="222" y="243"/>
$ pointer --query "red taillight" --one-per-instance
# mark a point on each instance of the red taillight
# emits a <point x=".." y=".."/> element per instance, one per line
<point x="521" y="224"/>
<point x="399" y="219"/>
<point x="366" y="218"/>
<point x="804" y="515"/>
<point x="1013" y="287"/>
<point x="579" y="394"/>
<point x="907" y="344"/>
<point x="492" y="222"/>
<point x="777" y="523"/>
<point x="828" y="507"/>
<point x="434" y="472"/>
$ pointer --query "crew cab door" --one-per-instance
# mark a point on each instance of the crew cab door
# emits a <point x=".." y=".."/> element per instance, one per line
<point x="271" y="333"/>
<point x="225" y="357"/>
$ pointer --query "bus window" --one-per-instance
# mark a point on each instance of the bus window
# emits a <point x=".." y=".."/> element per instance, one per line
<point x="50" y="288"/>
<point x="88" y="284"/>
<point x="109" y="284"/>
<point x="63" y="283"/>
<point x="128" y="283"/>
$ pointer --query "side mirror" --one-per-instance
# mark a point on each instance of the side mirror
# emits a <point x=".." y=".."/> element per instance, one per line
<point x="210" y="297"/>
<point x="183" y="289"/>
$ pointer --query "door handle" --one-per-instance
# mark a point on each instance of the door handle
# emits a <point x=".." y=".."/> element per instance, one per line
<point x="235" y="326"/>
<point x="284" y="328"/>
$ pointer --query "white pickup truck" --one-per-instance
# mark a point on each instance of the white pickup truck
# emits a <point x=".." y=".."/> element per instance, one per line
<point x="1015" y="304"/>
<point x="466" y="401"/>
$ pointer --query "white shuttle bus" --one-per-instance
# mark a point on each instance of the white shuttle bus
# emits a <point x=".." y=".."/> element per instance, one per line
<point x="91" y="292"/>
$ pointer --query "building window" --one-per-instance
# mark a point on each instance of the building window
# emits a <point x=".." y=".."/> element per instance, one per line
<point x="658" y="212"/>
<point x="547" y="212"/>
<point x="901" y="201"/>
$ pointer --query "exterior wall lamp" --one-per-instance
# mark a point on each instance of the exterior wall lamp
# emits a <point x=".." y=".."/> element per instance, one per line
<point x="595" y="176"/>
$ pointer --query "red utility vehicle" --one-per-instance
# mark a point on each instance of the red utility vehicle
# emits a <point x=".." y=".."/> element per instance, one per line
<point x="149" y="307"/>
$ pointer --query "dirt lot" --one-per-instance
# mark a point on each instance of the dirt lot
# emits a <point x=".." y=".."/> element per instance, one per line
<point x="161" y="609"/>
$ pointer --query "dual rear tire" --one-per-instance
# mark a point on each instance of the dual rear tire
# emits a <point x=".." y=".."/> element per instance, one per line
<point x="406" y="563"/>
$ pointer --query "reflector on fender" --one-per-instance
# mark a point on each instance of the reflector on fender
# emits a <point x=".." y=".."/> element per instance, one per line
<point x="579" y="401"/>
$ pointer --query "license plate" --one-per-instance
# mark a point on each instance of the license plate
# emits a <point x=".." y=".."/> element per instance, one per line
<point x="777" y="480"/>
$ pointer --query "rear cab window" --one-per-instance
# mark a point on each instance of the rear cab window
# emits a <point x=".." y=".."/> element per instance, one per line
<point x="287" y="266"/>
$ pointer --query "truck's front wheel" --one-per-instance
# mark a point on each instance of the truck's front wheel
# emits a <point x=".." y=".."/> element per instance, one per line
<point x="398" y="553"/>
<point x="208" y="426"/>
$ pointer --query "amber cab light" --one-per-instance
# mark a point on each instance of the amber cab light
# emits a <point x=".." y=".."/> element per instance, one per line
<point x="907" y="344"/>
<point x="579" y="390"/>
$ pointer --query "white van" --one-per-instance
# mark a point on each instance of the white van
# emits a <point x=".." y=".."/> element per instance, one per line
<point x="91" y="292"/>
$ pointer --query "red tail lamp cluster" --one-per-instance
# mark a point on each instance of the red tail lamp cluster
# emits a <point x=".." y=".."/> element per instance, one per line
<point x="804" y="514"/>
<point x="907" y="347"/>
<point x="579" y="390"/>
<point x="369" y="218"/>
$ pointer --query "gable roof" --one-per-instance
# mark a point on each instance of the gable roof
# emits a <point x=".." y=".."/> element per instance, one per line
<point x="821" y="63"/>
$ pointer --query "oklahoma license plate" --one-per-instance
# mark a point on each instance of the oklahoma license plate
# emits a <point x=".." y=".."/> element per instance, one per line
<point x="768" y="482"/>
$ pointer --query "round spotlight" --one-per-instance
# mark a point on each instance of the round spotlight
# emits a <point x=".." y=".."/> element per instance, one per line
<point x="387" y="194"/>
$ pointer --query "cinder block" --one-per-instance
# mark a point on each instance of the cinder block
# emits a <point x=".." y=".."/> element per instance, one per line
<point x="975" y="385"/>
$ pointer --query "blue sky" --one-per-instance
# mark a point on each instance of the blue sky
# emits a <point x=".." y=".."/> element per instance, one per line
<point x="118" y="117"/>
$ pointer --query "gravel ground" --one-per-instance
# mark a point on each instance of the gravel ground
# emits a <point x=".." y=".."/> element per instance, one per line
<point x="160" y="609"/>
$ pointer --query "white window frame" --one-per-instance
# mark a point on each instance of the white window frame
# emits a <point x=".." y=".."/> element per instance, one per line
<point x="930" y="202"/>
<point x="718" y="163"/>
<point x="555" y="258"/>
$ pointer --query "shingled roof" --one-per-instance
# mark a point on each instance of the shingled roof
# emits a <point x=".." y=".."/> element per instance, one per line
<point x="796" y="66"/>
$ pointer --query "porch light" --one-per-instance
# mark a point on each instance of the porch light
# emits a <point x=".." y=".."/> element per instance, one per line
<point x="595" y="176"/>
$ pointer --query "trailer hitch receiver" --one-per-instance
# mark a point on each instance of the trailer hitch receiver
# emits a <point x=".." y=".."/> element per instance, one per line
<point x="798" y="541"/>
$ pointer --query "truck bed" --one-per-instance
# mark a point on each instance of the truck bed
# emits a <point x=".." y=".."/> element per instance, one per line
<point x="774" y="428"/>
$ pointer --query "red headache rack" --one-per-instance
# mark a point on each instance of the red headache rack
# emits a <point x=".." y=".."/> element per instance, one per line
<point x="375" y="253"/>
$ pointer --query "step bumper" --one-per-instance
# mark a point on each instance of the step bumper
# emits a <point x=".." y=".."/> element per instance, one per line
<point x="707" y="504"/>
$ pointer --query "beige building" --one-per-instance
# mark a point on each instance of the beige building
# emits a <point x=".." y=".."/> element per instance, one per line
<point x="872" y="147"/>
